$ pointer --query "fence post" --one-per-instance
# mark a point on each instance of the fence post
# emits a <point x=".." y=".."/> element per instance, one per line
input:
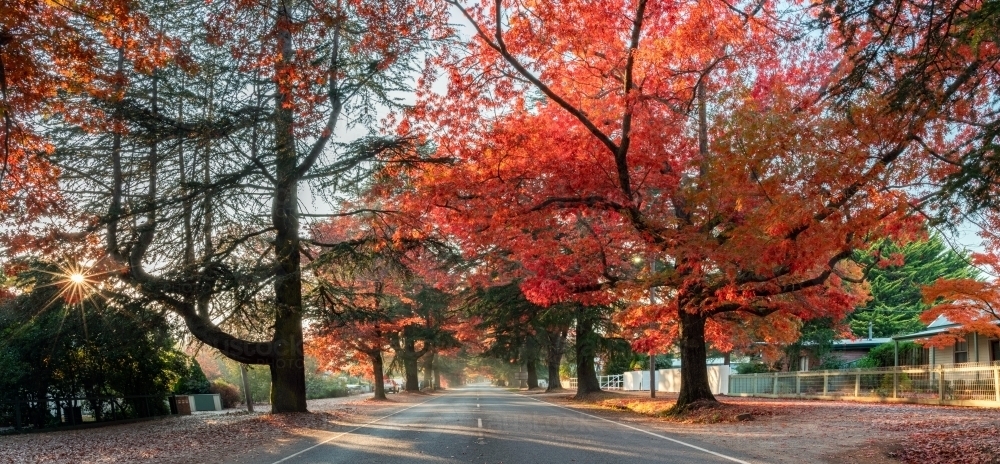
<point x="798" y="384"/>
<point x="895" y="381"/>
<point x="996" y="382"/>
<point x="17" y="413"/>
<point x="940" y="372"/>
<point x="857" y="384"/>
<point x="775" y="386"/>
<point x="755" y="382"/>
<point x="826" y="383"/>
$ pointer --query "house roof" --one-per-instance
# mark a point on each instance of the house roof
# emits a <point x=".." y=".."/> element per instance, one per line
<point x="929" y="332"/>
<point x="849" y="344"/>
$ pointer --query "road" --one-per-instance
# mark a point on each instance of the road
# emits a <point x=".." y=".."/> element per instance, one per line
<point x="491" y="425"/>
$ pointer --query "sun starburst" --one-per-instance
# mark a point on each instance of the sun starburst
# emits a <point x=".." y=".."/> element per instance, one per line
<point x="75" y="283"/>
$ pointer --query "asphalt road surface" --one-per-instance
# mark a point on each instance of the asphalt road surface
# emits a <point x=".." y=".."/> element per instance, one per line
<point x="491" y="425"/>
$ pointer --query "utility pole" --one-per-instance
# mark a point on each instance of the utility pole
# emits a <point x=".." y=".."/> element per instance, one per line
<point x="652" y="375"/>
<point x="246" y="388"/>
<point x="652" y="354"/>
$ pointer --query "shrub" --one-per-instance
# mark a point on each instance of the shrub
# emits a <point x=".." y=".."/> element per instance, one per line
<point x="192" y="379"/>
<point x="228" y="393"/>
<point x="320" y="386"/>
<point x="752" y="368"/>
<point x="884" y="355"/>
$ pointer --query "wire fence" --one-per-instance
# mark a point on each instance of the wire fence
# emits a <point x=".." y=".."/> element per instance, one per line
<point x="22" y="414"/>
<point x="961" y="384"/>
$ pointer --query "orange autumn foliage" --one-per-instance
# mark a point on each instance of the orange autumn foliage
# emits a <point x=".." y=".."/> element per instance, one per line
<point x="695" y="135"/>
<point x="973" y="304"/>
<point x="49" y="50"/>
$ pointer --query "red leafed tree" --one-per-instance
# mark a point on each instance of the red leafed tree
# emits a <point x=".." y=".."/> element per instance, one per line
<point x="974" y="304"/>
<point x="359" y="325"/>
<point x="372" y="300"/>
<point x="355" y="286"/>
<point x="694" y="136"/>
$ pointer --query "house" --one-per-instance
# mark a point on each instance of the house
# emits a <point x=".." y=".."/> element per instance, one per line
<point x="975" y="348"/>
<point x="850" y="351"/>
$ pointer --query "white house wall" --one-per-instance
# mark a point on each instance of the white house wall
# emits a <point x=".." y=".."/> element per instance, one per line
<point x="669" y="380"/>
<point x="946" y="356"/>
<point x="984" y="349"/>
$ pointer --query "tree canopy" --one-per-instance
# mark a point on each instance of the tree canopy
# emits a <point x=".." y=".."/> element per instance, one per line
<point x="694" y="174"/>
<point x="896" y="284"/>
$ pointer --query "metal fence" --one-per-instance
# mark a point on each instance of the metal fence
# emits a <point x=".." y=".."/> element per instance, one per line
<point x="961" y="384"/>
<point x="607" y="382"/>
<point x="611" y="382"/>
<point x="21" y="414"/>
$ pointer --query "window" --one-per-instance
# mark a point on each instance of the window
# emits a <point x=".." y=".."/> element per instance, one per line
<point x="994" y="350"/>
<point x="961" y="351"/>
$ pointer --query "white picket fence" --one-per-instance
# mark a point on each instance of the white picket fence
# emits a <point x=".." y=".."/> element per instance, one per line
<point x="667" y="380"/>
<point x="970" y="384"/>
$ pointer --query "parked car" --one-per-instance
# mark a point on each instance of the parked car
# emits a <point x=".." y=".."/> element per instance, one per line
<point x="391" y="386"/>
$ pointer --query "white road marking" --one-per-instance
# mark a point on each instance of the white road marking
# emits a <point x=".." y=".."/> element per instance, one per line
<point x="349" y="431"/>
<point x="482" y="439"/>
<point x="723" y="456"/>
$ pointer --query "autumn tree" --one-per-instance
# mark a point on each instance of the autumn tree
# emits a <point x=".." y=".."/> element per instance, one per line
<point x="698" y="134"/>
<point x="197" y="182"/>
<point x="936" y="60"/>
<point x="926" y="58"/>
<point x="370" y="298"/>
<point x="514" y="329"/>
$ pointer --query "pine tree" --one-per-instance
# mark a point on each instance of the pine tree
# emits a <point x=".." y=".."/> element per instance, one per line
<point x="896" y="302"/>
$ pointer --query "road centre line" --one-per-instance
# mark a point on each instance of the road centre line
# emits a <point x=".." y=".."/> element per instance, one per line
<point x="730" y="458"/>
<point x="480" y="423"/>
<point x="349" y="431"/>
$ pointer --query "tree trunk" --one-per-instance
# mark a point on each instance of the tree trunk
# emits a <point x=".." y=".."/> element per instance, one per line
<point x="378" y="367"/>
<point x="429" y="370"/>
<point x="288" y="381"/>
<point x="694" y="372"/>
<point x="532" y="366"/>
<point x="553" y="356"/>
<point x="410" y="358"/>
<point x="437" y="378"/>
<point x="531" y="361"/>
<point x="586" y="348"/>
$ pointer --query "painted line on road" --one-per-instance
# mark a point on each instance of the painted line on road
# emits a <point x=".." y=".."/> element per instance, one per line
<point x="723" y="456"/>
<point x="349" y="431"/>
<point x="480" y="423"/>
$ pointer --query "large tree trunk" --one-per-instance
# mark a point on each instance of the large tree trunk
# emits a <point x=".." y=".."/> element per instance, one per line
<point x="553" y="356"/>
<point x="694" y="372"/>
<point x="429" y="370"/>
<point x="586" y="348"/>
<point x="378" y="367"/>
<point x="532" y="366"/>
<point x="288" y="381"/>
<point x="531" y="362"/>
<point x="410" y="371"/>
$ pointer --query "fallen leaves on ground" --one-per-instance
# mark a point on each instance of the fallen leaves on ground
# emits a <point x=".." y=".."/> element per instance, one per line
<point x="183" y="439"/>
<point x="831" y="431"/>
